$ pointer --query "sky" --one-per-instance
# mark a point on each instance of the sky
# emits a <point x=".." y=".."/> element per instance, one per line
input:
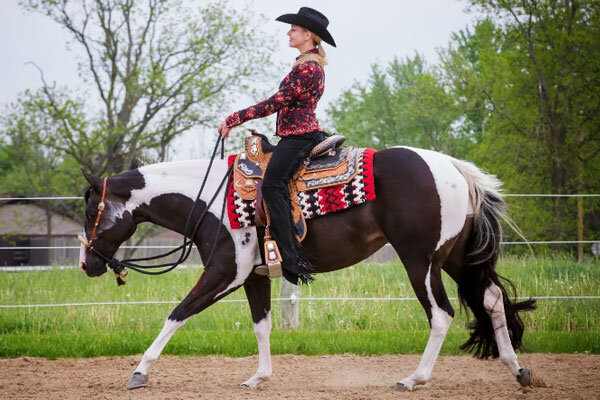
<point x="366" y="32"/>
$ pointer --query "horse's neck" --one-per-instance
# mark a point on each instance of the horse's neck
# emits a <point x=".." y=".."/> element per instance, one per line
<point x="171" y="188"/>
<point x="168" y="214"/>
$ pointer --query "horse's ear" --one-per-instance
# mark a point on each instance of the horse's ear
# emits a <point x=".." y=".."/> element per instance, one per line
<point x="94" y="181"/>
<point x="136" y="163"/>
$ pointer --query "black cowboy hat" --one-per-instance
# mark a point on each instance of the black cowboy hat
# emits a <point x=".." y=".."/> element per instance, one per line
<point x="310" y="19"/>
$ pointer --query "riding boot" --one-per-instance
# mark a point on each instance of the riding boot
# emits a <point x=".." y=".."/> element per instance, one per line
<point x="281" y="229"/>
<point x="289" y="153"/>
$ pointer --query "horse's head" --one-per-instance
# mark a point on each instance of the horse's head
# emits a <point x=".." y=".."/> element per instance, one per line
<point x="115" y="224"/>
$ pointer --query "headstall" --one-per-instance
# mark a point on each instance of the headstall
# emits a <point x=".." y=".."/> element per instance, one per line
<point x="120" y="272"/>
<point x="101" y="207"/>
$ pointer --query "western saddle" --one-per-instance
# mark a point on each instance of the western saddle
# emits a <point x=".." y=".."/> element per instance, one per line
<point x="327" y="164"/>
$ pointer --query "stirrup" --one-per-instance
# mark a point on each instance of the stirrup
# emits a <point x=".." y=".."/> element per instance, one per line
<point x="273" y="260"/>
<point x="271" y="270"/>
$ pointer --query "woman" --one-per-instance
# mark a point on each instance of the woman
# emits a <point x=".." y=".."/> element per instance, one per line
<point x="297" y="125"/>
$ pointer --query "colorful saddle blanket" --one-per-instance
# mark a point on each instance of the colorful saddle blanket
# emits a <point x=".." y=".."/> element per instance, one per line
<point x="323" y="185"/>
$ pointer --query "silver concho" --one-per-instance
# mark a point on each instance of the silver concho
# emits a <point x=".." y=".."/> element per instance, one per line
<point x="245" y="169"/>
<point x="254" y="146"/>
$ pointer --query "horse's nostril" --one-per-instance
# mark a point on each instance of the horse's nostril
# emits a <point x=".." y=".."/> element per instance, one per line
<point x="82" y="266"/>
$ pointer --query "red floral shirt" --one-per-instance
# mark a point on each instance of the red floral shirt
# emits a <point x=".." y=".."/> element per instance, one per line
<point x="295" y="102"/>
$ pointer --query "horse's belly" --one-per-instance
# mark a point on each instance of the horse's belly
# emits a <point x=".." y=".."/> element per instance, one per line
<point x="342" y="239"/>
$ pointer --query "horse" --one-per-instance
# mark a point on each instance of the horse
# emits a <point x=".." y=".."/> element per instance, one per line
<point x="438" y="213"/>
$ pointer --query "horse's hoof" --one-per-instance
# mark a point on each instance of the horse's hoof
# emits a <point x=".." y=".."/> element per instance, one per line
<point x="137" y="380"/>
<point x="255" y="381"/>
<point x="401" y="387"/>
<point x="525" y="377"/>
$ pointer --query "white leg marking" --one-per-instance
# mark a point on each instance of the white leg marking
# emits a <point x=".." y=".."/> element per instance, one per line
<point x="440" y="322"/>
<point x="262" y="330"/>
<point x="153" y="352"/>
<point x="494" y="305"/>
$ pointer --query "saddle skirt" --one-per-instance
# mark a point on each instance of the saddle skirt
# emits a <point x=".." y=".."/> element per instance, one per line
<point x="328" y="183"/>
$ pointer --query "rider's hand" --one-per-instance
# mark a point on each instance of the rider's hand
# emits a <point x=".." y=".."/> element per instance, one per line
<point x="224" y="130"/>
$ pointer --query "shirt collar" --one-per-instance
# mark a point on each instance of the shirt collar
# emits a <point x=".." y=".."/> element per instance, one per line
<point x="311" y="51"/>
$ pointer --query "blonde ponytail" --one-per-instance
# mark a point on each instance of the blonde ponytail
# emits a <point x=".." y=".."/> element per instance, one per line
<point x="322" y="54"/>
<point x="320" y="58"/>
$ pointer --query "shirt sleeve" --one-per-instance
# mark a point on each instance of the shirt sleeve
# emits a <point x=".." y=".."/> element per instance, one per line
<point x="298" y="81"/>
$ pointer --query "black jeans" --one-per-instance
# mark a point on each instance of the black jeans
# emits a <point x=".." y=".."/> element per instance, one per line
<point x="285" y="161"/>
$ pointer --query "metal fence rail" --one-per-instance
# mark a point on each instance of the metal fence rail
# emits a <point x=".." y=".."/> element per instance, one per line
<point x="293" y="299"/>
<point x="42" y="198"/>
<point x="173" y="247"/>
<point x="504" y="195"/>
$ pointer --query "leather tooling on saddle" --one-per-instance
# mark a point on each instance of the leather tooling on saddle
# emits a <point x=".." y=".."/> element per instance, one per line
<point x="328" y="183"/>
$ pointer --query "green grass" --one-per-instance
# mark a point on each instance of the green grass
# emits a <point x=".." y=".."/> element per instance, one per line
<point x="361" y="327"/>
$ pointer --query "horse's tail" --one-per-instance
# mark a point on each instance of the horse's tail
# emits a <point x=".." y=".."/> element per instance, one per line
<point x="481" y="254"/>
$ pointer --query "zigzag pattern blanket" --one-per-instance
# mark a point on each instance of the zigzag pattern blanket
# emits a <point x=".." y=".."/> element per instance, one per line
<point x="316" y="202"/>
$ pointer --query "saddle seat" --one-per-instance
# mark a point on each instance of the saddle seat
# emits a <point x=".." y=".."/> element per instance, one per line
<point x="327" y="165"/>
<point x="326" y="145"/>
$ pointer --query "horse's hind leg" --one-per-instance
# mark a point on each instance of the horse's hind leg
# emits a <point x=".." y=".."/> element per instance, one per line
<point x="258" y="292"/>
<point x="207" y="292"/>
<point x="494" y="305"/>
<point x="425" y="277"/>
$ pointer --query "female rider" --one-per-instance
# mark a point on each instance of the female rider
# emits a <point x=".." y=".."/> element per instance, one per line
<point x="297" y="125"/>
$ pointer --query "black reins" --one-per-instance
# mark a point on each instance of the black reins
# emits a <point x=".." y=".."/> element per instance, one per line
<point x="118" y="266"/>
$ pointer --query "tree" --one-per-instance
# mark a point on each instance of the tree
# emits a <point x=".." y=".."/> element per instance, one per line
<point x="154" y="68"/>
<point x="35" y="171"/>
<point x="405" y="104"/>
<point x="529" y="90"/>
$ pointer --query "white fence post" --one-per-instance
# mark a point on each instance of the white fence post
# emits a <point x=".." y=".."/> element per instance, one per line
<point x="289" y="308"/>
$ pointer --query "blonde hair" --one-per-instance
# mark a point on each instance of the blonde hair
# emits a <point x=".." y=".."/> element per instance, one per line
<point x="320" y="58"/>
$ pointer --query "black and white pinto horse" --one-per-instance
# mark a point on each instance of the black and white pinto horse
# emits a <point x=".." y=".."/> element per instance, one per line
<point x="436" y="211"/>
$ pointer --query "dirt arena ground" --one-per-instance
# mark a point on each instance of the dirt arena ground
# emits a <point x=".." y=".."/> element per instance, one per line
<point x="558" y="376"/>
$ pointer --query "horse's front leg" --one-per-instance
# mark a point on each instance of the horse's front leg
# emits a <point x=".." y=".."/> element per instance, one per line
<point x="258" y="292"/>
<point x="213" y="286"/>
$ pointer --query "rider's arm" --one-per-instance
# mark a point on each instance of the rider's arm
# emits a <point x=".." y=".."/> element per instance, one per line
<point x="298" y="81"/>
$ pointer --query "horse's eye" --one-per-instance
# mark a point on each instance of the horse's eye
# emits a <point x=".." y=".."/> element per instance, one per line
<point x="91" y="215"/>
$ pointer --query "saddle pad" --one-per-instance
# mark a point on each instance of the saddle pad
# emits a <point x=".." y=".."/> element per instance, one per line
<point x="313" y="202"/>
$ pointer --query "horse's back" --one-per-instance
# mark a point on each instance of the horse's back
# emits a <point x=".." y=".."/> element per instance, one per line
<point x="425" y="187"/>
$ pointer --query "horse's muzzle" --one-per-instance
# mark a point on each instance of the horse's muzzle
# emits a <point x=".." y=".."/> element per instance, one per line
<point x="92" y="270"/>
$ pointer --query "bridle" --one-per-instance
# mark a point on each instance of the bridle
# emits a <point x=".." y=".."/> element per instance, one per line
<point x="119" y="271"/>
<point x="101" y="207"/>
<point x="118" y="266"/>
